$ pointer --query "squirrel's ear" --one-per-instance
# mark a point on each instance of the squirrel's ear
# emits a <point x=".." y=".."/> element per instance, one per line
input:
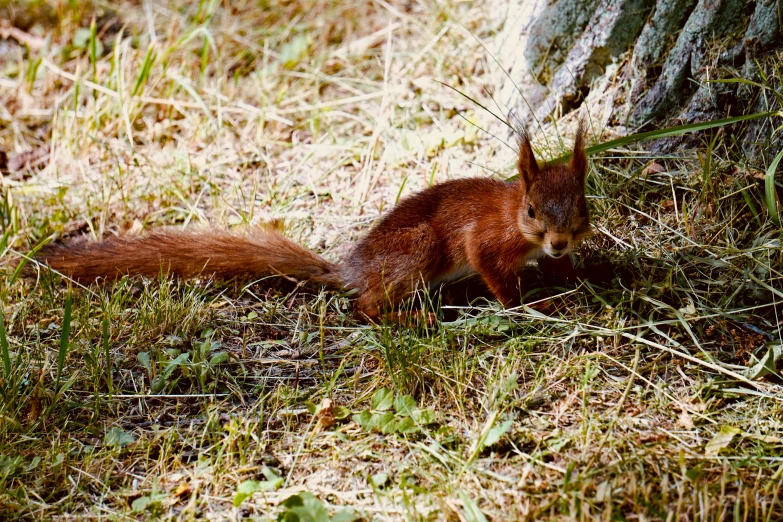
<point x="578" y="163"/>
<point x="527" y="164"/>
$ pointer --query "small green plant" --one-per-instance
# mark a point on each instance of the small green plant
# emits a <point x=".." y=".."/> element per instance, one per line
<point x="770" y="191"/>
<point x="199" y="363"/>
<point x="151" y="503"/>
<point x="118" y="438"/>
<point x="405" y="418"/>
<point x="246" y="489"/>
<point x="159" y="380"/>
<point x="305" y="507"/>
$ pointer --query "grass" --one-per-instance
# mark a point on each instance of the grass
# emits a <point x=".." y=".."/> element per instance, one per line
<point x="166" y="399"/>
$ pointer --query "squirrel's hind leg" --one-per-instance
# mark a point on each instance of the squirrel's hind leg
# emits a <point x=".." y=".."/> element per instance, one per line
<point x="368" y="310"/>
<point x="406" y="262"/>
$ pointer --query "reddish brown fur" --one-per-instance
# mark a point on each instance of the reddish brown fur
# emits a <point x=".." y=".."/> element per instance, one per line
<point x="186" y="254"/>
<point x="468" y="225"/>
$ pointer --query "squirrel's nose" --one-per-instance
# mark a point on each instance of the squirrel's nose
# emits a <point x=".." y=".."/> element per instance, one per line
<point x="560" y="244"/>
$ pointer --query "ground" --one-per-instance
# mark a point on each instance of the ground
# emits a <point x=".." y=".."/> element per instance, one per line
<point x="637" y="400"/>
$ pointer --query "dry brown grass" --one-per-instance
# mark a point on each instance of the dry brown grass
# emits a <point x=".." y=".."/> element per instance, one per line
<point x="612" y="401"/>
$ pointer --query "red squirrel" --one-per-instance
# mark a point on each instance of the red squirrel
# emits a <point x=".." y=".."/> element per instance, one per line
<point x="444" y="232"/>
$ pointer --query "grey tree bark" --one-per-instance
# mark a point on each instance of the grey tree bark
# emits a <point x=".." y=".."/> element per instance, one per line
<point x="638" y="64"/>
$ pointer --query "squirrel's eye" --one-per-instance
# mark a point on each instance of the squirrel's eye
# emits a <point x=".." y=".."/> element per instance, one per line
<point x="530" y="212"/>
<point x="583" y="211"/>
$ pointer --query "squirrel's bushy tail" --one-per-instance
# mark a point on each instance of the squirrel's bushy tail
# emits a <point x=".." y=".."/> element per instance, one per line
<point x="255" y="252"/>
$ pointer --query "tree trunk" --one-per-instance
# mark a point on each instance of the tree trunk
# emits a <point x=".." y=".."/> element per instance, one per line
<point x="639" y="64"/>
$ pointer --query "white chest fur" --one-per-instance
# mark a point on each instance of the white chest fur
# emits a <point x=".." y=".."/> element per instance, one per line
<point x="533" y="255"/>
<point x="456" y="273"/>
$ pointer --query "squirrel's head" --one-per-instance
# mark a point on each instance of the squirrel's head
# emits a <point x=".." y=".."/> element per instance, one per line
<point x="553" y="213"/>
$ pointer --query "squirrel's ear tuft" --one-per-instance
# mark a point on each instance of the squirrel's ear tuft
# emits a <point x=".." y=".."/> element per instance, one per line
<point x="578" y="163"/>
<point x="527" y="164"/>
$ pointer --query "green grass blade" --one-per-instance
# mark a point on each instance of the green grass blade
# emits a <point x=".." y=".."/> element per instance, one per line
<point x="144" y="72"/>
<point x="770" y="194"/>
<point x="500" y="119"/>
<point x="94" y="49"/>
<point x="4" y="242"/>
<point x="668" y="132"/>
<point x="399" y="192"/>
<point x="485" y="131"/>
<point x="4" y="346"/>
<point x="107" y="354"/>
<point x="743" y="81"/>
<point x="64" y="339"/>
<point x="204" y="56"/>
<point x="674" y="131"/>
<point x="23" y="262"/>
<point x="506" y="73"/>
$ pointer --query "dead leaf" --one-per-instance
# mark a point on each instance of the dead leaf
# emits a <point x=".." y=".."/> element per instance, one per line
<point x="769" y="439"/>
<point x="650" y="438"/>
<point x="135" y="227"/>
<point x="685" y="420"/>
<point x="288" y="354"/>
<point x="182" y="490"/>
<point x="36" y="400"/>
<point x="8" y="31"/>
<point x="422" y="82"/>
<point x="721" y="440"/>
<point x="325" y="414"/>
<point x="689" y="310"/>
<point x="767" y="364"/>
<point x="175" y="478"/>
<point x="653" y="168"/>
<point x="603" y="493"/>
<point x="35" y="410"/>
<point x="747" y="342"/>
<point x="362" y="45"/>
<point x="37" y="157"/>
